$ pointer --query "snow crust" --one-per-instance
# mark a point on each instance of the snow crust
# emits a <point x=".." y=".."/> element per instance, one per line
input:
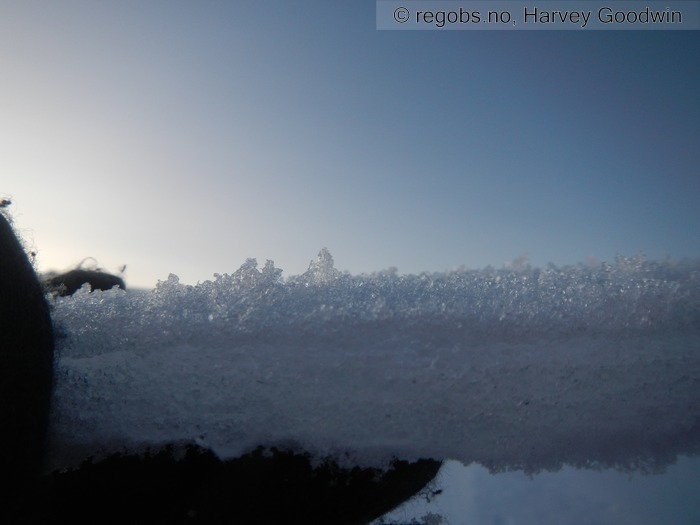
<point x="517" y="368"/>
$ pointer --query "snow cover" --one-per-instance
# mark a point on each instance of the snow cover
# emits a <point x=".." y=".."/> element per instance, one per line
<point x="513" y="368"/>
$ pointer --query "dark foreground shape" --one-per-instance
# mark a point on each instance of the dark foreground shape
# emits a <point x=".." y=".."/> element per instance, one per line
<point x="172" y="486"/>
<point x="263" y="487"/>
<point x="70" y="282"/>
<point x="26" y="365"/>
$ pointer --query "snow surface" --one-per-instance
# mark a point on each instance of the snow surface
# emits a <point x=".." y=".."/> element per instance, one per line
<point x="517" y="368"/>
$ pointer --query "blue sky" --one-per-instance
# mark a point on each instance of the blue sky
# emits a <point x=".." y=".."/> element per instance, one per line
<point x="185" y="137"/>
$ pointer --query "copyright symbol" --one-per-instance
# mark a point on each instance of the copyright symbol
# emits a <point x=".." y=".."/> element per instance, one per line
<point x="401" y="15"/>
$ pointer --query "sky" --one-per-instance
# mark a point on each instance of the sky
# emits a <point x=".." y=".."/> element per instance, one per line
<point x="184" y="137"/>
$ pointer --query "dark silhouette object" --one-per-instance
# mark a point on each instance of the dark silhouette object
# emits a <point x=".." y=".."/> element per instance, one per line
<point x="70" y="282"/>
<point x="26" y="365"/>
<point x="266" y="486"/>
<point x="174" y="485"/>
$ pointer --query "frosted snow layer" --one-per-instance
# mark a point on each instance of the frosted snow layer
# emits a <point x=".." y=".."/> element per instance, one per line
<point x="517" y="368"/>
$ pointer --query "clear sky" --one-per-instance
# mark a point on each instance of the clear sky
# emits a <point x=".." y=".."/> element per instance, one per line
<point x="184" y="137"/>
